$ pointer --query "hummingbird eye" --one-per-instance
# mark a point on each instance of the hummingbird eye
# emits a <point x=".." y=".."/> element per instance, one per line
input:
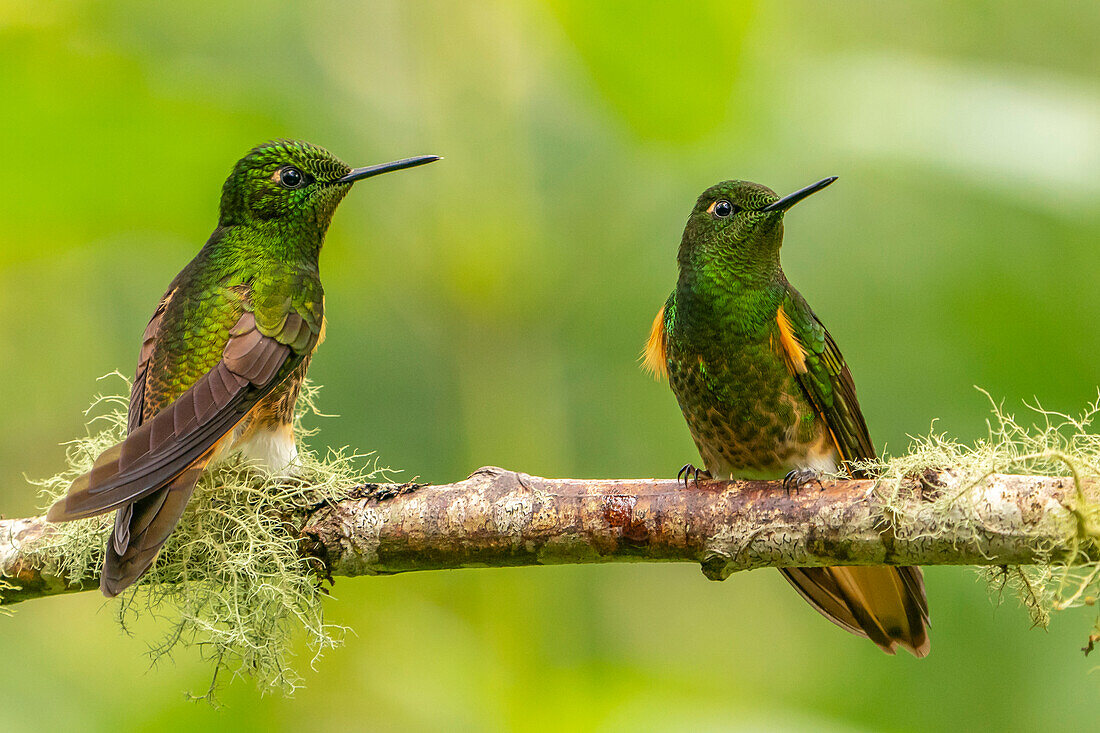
<point x="722" y="209"/>
<point x="290" y="177"/>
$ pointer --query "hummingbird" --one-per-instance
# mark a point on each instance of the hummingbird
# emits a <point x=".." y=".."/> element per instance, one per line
<point x="767" y="394"/>
<point x="223" y="358"/>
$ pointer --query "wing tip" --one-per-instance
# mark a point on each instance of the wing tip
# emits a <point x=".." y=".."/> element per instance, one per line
<point x="59" y="512"/>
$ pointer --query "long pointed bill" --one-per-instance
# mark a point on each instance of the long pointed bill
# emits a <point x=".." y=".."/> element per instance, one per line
<point x="358" y="174"/>
<point x="791" y="199"/>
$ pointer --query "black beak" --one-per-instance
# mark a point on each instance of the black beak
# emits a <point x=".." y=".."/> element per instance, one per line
<point x="358" y="174"/>
<point x="791" y="199"/>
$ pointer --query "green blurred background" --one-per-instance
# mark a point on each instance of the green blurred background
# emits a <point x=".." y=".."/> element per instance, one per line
<point x="489" y="310"/>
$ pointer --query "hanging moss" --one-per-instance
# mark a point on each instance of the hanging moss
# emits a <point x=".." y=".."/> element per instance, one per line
<point x="230" y="582"/>
<point x="1049" y="444"/>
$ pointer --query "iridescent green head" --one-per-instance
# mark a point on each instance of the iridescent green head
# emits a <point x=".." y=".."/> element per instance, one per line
<point x="737" y="227"/>
<point x="295" y="183"/>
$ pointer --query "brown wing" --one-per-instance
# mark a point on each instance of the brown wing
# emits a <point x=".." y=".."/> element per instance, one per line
<point x="163" y="447"/>
<point x="885" y="604"/>
<point x="815" y="361"/>
<point x="148" y="342"/>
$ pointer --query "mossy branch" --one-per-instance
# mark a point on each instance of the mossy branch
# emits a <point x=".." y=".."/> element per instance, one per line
<point x="241" y="576"/>
<point x="498" y="518"/>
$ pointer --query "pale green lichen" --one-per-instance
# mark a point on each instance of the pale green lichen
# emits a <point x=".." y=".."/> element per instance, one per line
<point x="230" y="582"/>
<point x="1051" y="444"/>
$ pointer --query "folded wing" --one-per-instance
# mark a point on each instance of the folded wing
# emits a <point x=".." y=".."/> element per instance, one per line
<point x="162" y="448"/>
<point x="886" y="604"/>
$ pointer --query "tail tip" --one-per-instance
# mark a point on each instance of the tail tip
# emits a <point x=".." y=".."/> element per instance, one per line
<point x="114" y="576"/>
<point x="111" y="586"/>
<point x="919" y="648"/>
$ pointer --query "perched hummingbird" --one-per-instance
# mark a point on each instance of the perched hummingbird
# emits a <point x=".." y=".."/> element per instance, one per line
<point x="224" y="355"/>
<point x="766" y="393"/>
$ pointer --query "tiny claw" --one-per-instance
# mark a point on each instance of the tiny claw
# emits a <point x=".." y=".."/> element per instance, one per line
<point x="688" y="472"/>
<point x="682" y="474"/>
<point x="799" y="477"/>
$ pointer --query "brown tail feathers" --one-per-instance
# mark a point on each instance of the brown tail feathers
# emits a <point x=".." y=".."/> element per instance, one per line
<point x="140" y="530"/>
<point x="884" y="604"/>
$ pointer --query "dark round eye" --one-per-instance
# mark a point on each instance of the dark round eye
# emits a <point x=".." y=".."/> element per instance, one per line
<point x="722" y="209"/>
<point x="291" y="177"/>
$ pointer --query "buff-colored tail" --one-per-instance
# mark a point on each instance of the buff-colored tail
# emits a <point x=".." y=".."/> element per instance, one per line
<point x="884" y="604"/>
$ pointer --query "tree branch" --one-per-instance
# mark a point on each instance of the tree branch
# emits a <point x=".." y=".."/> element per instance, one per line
<point x="499" y="518"/>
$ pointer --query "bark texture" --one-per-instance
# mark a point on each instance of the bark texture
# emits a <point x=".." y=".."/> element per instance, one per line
<point x="499" y="518"/>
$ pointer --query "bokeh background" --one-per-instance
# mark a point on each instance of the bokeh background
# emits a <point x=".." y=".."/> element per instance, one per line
<point x="489" y="309"/>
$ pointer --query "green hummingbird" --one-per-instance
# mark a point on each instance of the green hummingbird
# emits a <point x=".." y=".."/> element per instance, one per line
<point x="225" y="353"/>
<point x="767" y="394"/>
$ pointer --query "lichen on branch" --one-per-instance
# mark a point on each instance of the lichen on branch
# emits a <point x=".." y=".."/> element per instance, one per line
<point x="230" y="582"/>
<point x="1065" y="572"/>
<point x="243" y="572"/>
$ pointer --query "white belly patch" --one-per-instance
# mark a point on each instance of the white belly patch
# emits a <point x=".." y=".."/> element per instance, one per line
<point x="274" y="451"/>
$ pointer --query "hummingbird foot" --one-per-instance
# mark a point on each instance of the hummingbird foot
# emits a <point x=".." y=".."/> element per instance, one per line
<point x="800" y="477"/>
<point x="689" y="472"/>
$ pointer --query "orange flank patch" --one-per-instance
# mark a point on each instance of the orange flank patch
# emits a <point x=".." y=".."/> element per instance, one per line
<point x="792" y="349"/>
<point x="654" y="356"/>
